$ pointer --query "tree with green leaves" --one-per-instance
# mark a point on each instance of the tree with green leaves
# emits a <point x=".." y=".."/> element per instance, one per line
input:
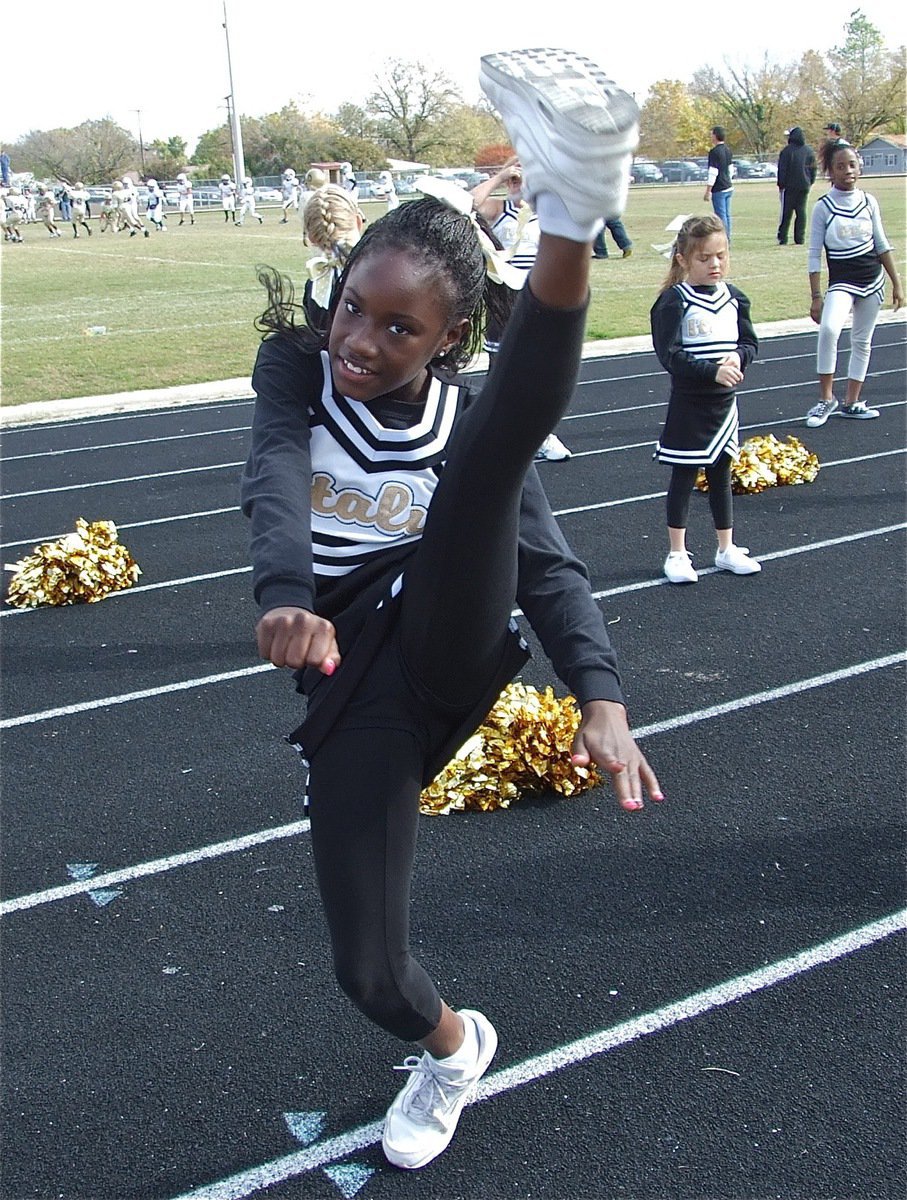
<point x="95" y="152"/>
<point x="865" y="84"/>
<point x="673" y="122"/>
<point x="753" y="101"/>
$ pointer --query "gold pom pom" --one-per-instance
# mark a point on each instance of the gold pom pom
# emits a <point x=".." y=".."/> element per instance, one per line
<point x="80" y="568"/>
<point x="525" y="744"/>
<point x="765" y="462"/>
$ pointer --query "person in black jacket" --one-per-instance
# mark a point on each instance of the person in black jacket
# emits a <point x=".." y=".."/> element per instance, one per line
<point x="796" y="175"/>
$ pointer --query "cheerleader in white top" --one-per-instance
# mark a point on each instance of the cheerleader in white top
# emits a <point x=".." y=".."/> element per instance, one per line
<point x="516" y="228"/>
<point x="704" y="339"/>
<point x="847" y="224"/>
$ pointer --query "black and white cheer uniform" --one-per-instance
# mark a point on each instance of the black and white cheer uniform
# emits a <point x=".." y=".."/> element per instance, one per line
<point x="692" y="329"/>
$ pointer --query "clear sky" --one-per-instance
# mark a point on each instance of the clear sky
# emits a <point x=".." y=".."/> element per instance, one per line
<point x="169" y="61"/>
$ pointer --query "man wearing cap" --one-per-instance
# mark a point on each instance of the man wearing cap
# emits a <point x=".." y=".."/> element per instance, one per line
<point x="796" y="175"/>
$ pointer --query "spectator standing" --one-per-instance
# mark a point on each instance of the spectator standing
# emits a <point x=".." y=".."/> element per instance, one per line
<point x="615" y="227"/>
<point x="64" y="199"/>
<point x="847" y="225"/>
<point x="796" y="175"/>
<point x="719" y="186"/>
<point x="4" y="169"/>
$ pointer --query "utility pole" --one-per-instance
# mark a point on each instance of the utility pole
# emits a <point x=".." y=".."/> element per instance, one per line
<point x="239" y="164"/>
<point x="138" y="113"/>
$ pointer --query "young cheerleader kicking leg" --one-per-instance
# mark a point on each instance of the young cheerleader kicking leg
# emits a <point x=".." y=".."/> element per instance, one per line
<point x="433" y="644"/>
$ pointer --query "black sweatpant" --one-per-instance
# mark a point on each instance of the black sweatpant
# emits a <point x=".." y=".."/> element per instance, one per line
<point x="793" y="204"/>
<point x="459" y="590"/>
<point x="721" y="499"/>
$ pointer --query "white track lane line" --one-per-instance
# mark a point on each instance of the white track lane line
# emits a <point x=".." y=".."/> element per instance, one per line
<point x="126" y="874"/>
<point x="531" y="1070"/>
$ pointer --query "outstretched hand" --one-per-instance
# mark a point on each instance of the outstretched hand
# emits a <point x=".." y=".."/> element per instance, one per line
<point x="295" y="637"/>
<point x="604" y="738"/>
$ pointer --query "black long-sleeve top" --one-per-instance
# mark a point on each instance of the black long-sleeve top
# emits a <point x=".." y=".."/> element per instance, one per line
<point x="276" y="494"/>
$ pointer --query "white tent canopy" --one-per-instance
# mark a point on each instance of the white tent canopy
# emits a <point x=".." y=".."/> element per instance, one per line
<point x="399" y="164"/>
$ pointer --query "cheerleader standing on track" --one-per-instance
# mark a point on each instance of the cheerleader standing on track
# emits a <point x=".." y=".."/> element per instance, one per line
<point x="704" y="339"/>
<point x="847" y="224"/>
<point x="395" y="524"/>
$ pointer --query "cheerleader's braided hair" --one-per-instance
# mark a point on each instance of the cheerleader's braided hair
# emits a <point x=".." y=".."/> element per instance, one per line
<point x="437" y="236"/>
<point x="332" y="221"/>
<point x="693" y="230"/>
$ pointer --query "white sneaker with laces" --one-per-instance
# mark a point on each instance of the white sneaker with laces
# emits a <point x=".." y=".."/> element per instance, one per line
<point x="858" y="411"/>
<point x="819" y="413"/>
<point x="679" y="568"/>
<point x="573" y="129"/>
<point x="552" y="449"/>
<point x="422" y="1120"/>
<point x="737" y="559"/>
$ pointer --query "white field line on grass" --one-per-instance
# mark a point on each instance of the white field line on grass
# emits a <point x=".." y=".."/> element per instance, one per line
<point x="217" y="850"/>
<point x="531" y="1070"/>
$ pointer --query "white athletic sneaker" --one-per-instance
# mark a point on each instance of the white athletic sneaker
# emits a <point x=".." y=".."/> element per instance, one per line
<point x="819" y="413"/>
<point x="552" y="449"/>
<point x="858" y="411"/>
<point x="679" y="569"/>
<point x="422" y="1120"/>
<point x="737" y="559"/>
<point x="573" y="129"/>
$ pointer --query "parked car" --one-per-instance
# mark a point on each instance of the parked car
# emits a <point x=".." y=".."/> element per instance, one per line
<point x="645" y="172"/>
<point x="267" y="195"/>
<point x="680" y="170"/>
<point x="746" y="168"/>
<point x="765" y="170"/>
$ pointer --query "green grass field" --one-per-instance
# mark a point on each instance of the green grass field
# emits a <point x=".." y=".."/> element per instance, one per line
<point x="178" y="307"/>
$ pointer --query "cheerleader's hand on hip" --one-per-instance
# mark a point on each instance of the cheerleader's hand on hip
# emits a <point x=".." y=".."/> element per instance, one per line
<point x="604" y="738"/>
<point x="295" y="637"/>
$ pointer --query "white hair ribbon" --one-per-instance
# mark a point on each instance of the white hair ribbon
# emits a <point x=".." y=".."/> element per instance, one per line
<point x="498" y="269"/>
<point x="322" y="272"/>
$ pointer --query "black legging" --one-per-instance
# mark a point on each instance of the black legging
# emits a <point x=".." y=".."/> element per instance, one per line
<point x="721" y="500"/>
<point x="459" y="591"/>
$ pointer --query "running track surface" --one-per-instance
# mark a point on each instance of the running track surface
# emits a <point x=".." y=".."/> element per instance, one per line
<point x="702" y="1001"/>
